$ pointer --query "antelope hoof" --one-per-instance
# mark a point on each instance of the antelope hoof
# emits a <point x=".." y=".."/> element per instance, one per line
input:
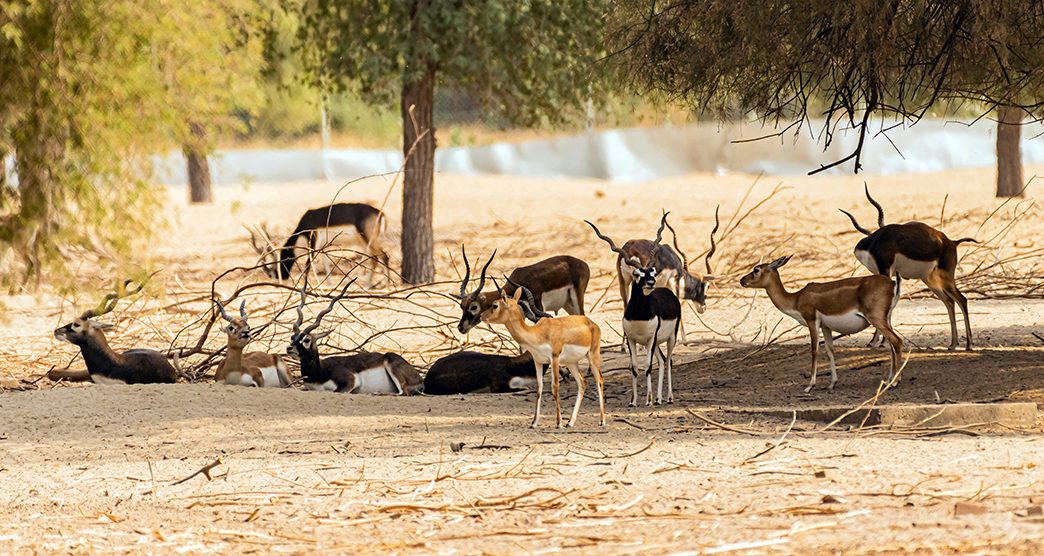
<point x="831" y="387"/>
<point x="632" y="404"/>
<point x="809" y="388"/>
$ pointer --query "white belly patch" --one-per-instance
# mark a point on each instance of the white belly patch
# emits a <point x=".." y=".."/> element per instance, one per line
<point x="240" y="379"/>
<point x="374" y="381"/>
<point x="910" y="268"/>
<point x="867" y="260"/>
<point x="572" y="354"/>
<point x="640" y="331"/>
<point x="554" y="300"/>
<point x="99" y="379"/>
<point x="270" y="375"/>
<point x="328" y="386"/>
<point x="845" y="323"/>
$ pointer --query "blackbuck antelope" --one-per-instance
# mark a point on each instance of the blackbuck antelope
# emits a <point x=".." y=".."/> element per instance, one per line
<point x="558" y="341"/>
<point x="652" y="317"/>
<point x="105" y="366"/>
<point x="915" y="250"/>
<point x="368" y="221"/>
<point x="844" y="306"/>
<point x="556" y="283"/>
<point x="362" y="373"/>
<point x="671" y="271"/>
<point x="469" y="372"/>
<point x="255" y="368"/>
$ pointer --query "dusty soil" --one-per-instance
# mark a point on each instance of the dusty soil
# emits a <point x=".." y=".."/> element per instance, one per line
<point x="92" y="469"/>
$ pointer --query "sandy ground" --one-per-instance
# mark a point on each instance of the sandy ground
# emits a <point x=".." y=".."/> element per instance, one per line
<point x="92" y="469"/>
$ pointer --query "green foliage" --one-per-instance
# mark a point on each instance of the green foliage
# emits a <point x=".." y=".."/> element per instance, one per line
<point x="89" y="90"/>
<point x="530" y="61"/>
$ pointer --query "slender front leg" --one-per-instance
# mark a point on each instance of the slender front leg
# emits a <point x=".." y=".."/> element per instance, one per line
<point x="813" y="331"/>
<point x="828" y="341"/>
<point x="555" y="368"/>
<point x="540" y="391"/>
<point x="632" y="347"/>
<point x="671" y="342"/>
<point x="648" y="371"/>
<point x="581" y="386"/>
<point x="594" y="360"/>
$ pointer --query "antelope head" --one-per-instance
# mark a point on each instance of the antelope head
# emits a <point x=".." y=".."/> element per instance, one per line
<point x="472" y="304"/>
<point x="84" y="328"/>
<point x="303" y="343"/>
<point x="644" y="276"/>
<point x="238" y="330"/>
<point x="696" y="285"/>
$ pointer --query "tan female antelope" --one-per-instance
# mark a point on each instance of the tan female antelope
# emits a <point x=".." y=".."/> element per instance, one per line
<point x="915" y="250"/>
<point x="556" y="283"/>
<point x="844" y="306"/>
<point x="556" y="341"/>
<point x="134" y="366"/>
<point x="255" y="368"/>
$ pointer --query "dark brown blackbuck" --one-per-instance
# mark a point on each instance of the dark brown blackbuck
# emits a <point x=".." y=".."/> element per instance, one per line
<point x="105" y="366"/>
<point x="556" y="283"/>
<point x="915" y="250"/>
<point x="844" y="306"/>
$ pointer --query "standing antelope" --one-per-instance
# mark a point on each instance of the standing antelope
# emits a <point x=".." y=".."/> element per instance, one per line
<point x="915" y="250"/>
<point x="362" y="373"/>
<point x="558" y="341"/>
<point x="672" y="272"/>
<point x="556" y="283"/>
<point x="255" y="368"/>
<point x="368" y="221"/>
<point x="844" y="306"/>
<point x="105" y="366"/>
<point x="652" y="317"/>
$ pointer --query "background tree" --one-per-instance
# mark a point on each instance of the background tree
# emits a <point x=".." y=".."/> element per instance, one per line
<point x="848" y="62"/>
<point x="528" y="60"/>
<point x="89" y="90"/>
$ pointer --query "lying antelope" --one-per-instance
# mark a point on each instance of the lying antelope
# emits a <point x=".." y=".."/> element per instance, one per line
<point x="255" y="368"/>
<point x="652" y="317"/>
<point x="844" y="306"/>
<point x="362" y="373"/>
<point x="105" y="366"/>
<point x="556" y="283"/>
<point x="915" y="250"/>
<point x="671" y="271"/>
<point x="468" y="372"/>
<point x="367" y="220"/>
<point x="558" y="341"/>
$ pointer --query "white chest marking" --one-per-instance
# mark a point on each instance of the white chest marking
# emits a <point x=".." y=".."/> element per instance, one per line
<point x="270" y="376"/>
<point x="554" y="300"/>
<point x="868" y="261"/>
<point x="910" y="268"/>
<point x="240" y="379"/>
<point x="845" y="323"/>
<point x="642" y="330"/>
<point x="374" y="381"/>
<point x="328" y="386"/>
<point x="99" y="379"/>
<point x="796" y="316"/>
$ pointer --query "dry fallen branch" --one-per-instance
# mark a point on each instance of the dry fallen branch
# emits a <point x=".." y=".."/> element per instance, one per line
<point x="205" y="471"/>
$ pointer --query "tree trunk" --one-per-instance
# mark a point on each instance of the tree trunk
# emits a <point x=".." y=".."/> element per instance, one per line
<point x="418" y="146"/>
<point x="200" y="190"/>
<point x="39" y="149"/>
<point x="1009" y="156"/>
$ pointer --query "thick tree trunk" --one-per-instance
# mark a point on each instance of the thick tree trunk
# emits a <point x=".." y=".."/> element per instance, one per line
<point x="200" y="190"/>
<point x="1009" y="155"/>
<point x="418" y="146"/>
<point x="39" y="148"/>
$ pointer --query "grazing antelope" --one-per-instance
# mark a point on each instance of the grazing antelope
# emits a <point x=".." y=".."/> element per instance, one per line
<point x="844" y="306"/>
<point x="652" y="317"/>
<point x="556" y="283"/>
<point x="558" y="341"/>
<point x="255" y="368"/>
<point x="368" y="221"/>
<point x="915" y="250"/>
<point x="672" y="272"/>
<point x="362" y="373"/>
<point x="468" y="372"/>
<point x="105" y="366"/>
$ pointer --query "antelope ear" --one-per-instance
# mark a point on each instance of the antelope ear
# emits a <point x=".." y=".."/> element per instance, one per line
<point x="518" y="294"/>
<point x="103" y="326"/>
<point x="780" y="262"/>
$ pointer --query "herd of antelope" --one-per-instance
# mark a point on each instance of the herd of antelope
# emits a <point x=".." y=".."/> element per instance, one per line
<point x="654" y="281"/>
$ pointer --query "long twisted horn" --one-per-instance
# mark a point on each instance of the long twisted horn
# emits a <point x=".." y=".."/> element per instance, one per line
<point x="663" y="224"/>
<point x="714" y="246"/>
<point x="530" y="301"/>
<point x="326" y="311"/>
<point x="300" y="306"/>
<point x="467" y="273"/>
<point x="482" y="276"/>
<point x="854" y="223"/>
<point x="221" y="309"/>
<point x="880" y="211"/>
<point x="242" y="310"/>
<point x="607" y="239"/>
<point x="674" y="239"/>
<point x="108" y="303"/>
